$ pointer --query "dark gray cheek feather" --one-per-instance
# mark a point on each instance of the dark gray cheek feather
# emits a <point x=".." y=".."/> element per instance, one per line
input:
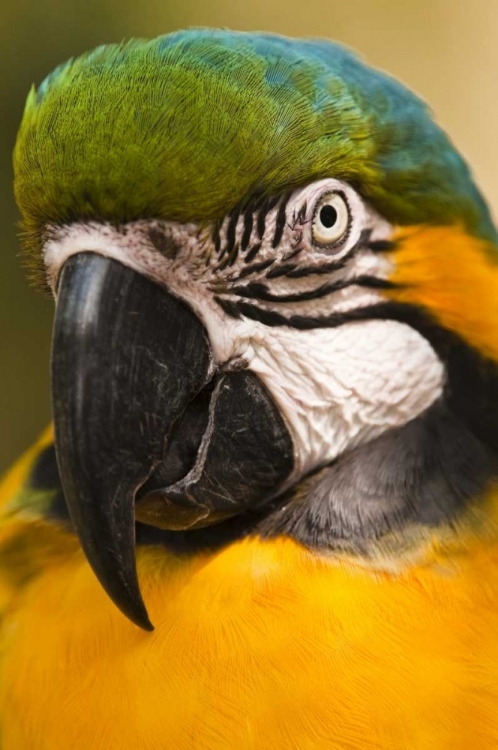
<point x="423" y="474"/>
<point x="426" y="472"/>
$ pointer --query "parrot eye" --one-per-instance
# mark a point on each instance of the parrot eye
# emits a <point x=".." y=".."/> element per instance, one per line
<point x="331" y="220"/>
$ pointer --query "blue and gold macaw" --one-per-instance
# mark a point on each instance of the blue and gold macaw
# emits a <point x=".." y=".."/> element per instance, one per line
<point x="268" y="517"/>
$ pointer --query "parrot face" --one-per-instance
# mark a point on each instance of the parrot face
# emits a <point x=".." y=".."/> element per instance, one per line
<point x="257" y="354"/>
<point x="290" y="276"/>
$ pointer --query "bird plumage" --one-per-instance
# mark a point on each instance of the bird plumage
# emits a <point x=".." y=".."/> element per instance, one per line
<point x="262" y="644"/>
<point x="110" y="134"/>
<point x="317" y="532"/>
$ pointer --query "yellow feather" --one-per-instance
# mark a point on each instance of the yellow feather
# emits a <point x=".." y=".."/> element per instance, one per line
<point x="261" y="645"/>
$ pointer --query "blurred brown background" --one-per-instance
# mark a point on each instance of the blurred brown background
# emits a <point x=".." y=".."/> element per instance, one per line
<point x="447" y="50"/>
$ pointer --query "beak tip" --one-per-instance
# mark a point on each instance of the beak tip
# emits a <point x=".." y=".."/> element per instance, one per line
<point x="146" y="624"/>
<point x="140" y="616"/>
<point x="133" y="608"/>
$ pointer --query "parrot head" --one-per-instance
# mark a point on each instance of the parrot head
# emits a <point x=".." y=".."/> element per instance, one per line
<point x="275" y="286"/>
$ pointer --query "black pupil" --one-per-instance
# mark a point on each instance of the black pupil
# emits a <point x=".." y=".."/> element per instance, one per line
<point x="328" y="216"/>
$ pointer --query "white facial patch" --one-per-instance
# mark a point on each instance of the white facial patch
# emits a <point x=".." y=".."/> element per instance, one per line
<point x="338" y="388"/>
<point x="276" y="295"/>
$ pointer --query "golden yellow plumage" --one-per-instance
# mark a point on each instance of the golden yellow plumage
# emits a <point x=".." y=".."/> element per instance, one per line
<point x="260" y="645"/>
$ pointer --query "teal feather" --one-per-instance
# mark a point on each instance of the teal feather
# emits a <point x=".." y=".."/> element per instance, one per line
<point x="187" y="125"/>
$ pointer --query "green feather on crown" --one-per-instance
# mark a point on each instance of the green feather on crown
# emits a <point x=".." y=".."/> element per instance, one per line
<point x="185" y="126"/>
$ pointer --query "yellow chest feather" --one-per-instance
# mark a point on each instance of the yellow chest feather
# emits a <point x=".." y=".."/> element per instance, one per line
<point x="262" y="645"/>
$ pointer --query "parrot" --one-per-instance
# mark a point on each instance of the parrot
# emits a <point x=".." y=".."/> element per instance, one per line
<point x="265" y="514"/>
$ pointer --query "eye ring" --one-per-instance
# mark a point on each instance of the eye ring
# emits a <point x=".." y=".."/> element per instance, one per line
<point x="331" y="221"/>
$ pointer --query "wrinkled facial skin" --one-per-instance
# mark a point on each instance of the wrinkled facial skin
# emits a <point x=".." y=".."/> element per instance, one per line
<point x="239" y="356"/>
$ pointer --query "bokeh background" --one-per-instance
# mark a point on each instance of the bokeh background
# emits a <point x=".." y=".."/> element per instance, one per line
<point x="446" y="50"/>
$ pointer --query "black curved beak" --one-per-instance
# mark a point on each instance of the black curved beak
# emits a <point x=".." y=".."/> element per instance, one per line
<point x="141" y="425"/>
<point x="119" y="382"/>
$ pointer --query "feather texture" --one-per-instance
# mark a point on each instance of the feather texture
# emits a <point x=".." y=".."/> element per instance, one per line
<point x="186" y="126"/>
<point x="262" y="642"/>
<point x="258" y="645"/>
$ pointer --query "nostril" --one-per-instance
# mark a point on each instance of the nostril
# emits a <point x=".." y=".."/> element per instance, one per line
<point x="163" y="243"/>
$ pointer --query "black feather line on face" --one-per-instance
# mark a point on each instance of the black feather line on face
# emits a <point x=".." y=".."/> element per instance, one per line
<point x="300" y="217"/>
<point x="293" y="253"/>
<point x="303" y="271"/>
<point x="283" y="270"/>
<point x="216" y="236"/>
<point x="230" y="233"/>
<point x="382" y="310"/>
<point x="280" y="220"/>
<point x="383" y="246"/>
<point x="261" y="223"/>
<point x="234" y="254"/>
<point x="261" y="292"/>
<point x="229" y="308"/>
<point x="246" y="234"/>
<point x="255" y="268"/>
<point x="253" y="252"/>
<point x="263" y="212"/>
